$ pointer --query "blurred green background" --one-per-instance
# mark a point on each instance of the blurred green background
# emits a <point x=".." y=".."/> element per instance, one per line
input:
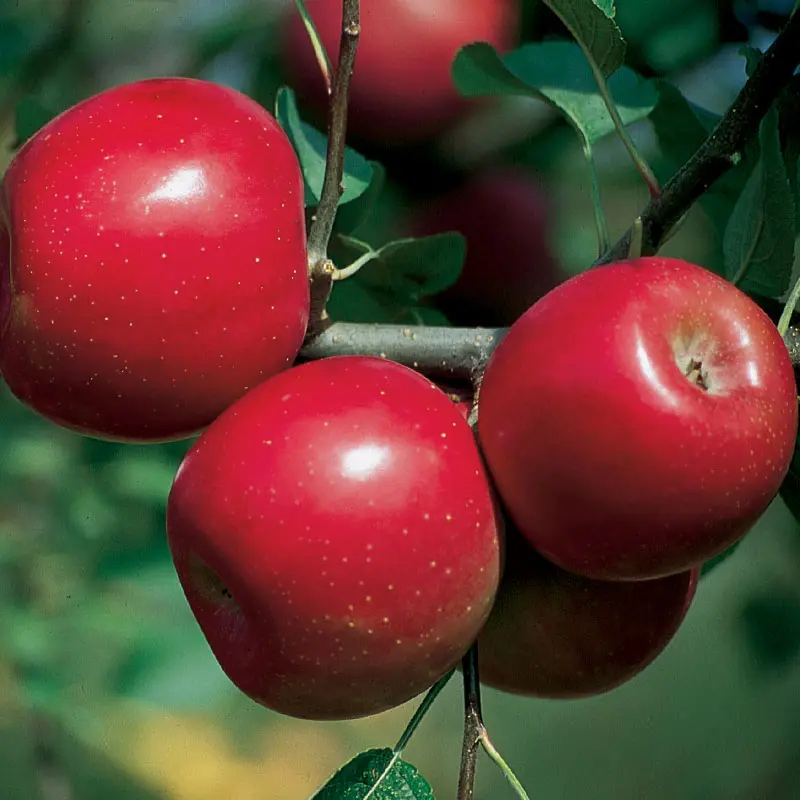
<point x="107" y="688"/>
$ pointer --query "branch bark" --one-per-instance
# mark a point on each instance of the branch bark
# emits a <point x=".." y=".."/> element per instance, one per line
<point x="321" y="228"/>
<point x="438" y="352"/>
<point x="473" y="724"/>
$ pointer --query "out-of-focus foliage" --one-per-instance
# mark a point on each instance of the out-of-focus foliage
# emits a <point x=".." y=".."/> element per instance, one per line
<point x="107" y="688"/>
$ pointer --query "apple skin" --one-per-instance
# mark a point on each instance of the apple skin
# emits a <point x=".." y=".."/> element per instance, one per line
<point x="506" y="219"/>
<point x="401" y="91"/>
<point x="336" y="538"/>
<point x="157" y="260"/>
<point x="557" y="635"/>
<point x="611" y="461"/>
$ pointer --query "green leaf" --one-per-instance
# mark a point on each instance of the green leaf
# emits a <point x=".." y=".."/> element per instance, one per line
<point x="592" y="24"/>
<point x="424" y="266"/>
<point x="379" y="775"/>
<point x="352" y="301"/>
<point x="557" y="73"/>
<point x="772" y="626"/>
<point x="393" y="286"/>
<point x="758" y="246"/>
<point x="350" y="217"/>
<point x="311" y="147"/>
<point x="789" y="114"/>
<point x="681" y="128"/>
<point x="320" y="53"/>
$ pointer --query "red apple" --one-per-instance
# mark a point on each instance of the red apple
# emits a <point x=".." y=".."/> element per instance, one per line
<point x="555" y="634"/>
<point x="401" y="90"/>
<point x="157" y="259"/>
<point x="506" y="218"/>
<point x="335" y="535"/>
<point x="638" y="419"/>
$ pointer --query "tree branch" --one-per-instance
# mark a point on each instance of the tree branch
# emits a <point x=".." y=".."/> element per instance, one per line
<point x="473" y="724"/>
<point x="322" y="226"/>
<point x="721" y="150"/>
<point x="439" y="352"/>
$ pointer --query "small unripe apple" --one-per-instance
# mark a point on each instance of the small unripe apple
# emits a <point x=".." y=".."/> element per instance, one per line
<point x="558" y="635"/>
<point x="401" y="90"/>
<point x="638" y="420"/>
<point x="153" y="259"/>
<point x="335" y="535"/>
<point x="507" y="220"/>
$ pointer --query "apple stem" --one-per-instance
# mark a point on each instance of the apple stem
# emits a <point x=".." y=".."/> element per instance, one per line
<point x="638" y="159"/>
<point x="436" y="351"/>
<point x="319" y="234"/>
<point x="603" y="239"/>
<point x="421" y="711"/>
<point x="473" y="724"/>
<point x="721" y="150"/>
<point x="494" y="754"/>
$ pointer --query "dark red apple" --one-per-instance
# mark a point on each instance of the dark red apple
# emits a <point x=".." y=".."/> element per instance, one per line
<point x="157" y="260"/>
<point x="335" y="535"/>
<point x="401" y="90"/>
<point x="507" y="220"/>
<point x="558" y="635"/>
<point x="638" y="419"/>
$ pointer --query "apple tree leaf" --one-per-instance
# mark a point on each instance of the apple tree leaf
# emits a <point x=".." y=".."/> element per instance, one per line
<point x="789" y="113"/>
<point x="557" y="73"/>
<point x="311" y="147"/>
<point x="758" y="247"/>
<point x="320" y="53"/>
<point x="379" y="775"/>
<point x="351" y="216"/>
<point x="394" y="284"/>
<point x="592" y="24"/>
<point x="681" y="128"/>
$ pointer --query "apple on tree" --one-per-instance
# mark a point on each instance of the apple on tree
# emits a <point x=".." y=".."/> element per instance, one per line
<point x="335" y="535"/>
<point x="506" y="218"/>
<point x="638" y="419"/>
<point x="153" y="254"/>
<point x="555" y="634"/>
<point x="401" y="90"/>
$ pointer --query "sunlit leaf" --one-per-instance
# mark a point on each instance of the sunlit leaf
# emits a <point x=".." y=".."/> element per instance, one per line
<point x="592" y="24"/>
<point x="379" y="774"/>
<point x="311" y="148"/>
<point x="558" y="73"/>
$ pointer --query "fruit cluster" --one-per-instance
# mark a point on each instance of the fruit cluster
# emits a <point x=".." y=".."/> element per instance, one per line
<point x="335" y="527"/>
